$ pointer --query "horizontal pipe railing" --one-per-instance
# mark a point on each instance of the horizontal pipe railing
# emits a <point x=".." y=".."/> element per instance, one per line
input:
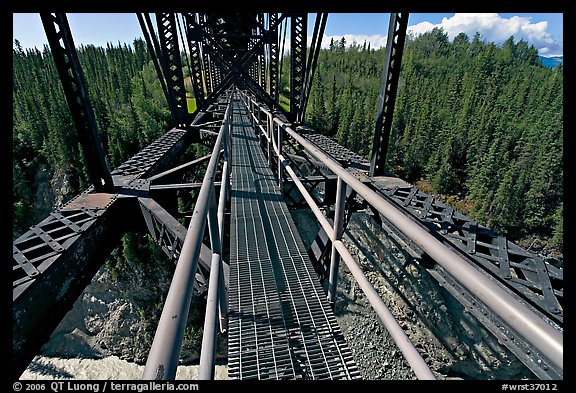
<point x="410" y="353"/>
<point x="545" y="337"/>
<point x="407" y="348"/>
<point x="162" y="362"/>
<point x="216" y="302"/>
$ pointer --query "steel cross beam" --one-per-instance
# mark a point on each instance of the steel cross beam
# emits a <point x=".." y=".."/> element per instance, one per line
<point x="76" y="92"/>
<point x="235" y="68"/>
<point x="388" y="88"/>
<point x="246" y="65"/>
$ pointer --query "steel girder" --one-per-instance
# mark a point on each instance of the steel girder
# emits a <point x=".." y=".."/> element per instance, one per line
<point x="273" y="56"/>
<point x="388" y="89"/>
<point x="319" y="26"/>
<point x="234" y="43"/>
<point x="298" y="34"/>
<point x="76" y="92"/>
<point x="172" y="65"/>
<point x="536" y="280"/>
<point x="198" y="71"/>
<point x="55" y="260"/>
<point x="154" y="48"/>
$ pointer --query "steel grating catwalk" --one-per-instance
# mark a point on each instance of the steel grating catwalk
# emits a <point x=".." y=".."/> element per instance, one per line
<point x="280" y="323"/>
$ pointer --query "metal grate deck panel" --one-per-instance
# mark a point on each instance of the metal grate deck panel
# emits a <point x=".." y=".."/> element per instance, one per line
<point x="280" y="323"/>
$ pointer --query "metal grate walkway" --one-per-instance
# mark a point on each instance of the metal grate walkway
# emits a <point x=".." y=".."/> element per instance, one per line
<point x="280" y="323"/>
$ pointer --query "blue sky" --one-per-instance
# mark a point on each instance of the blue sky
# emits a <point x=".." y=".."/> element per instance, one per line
<point x="544" y="30"/>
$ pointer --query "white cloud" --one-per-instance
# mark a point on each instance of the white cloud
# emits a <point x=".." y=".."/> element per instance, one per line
<point x="492" y="27"/>
<point x="376" y="40"/>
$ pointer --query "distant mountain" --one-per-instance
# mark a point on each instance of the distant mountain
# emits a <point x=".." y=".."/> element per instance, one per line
<point x="552" y="61"/>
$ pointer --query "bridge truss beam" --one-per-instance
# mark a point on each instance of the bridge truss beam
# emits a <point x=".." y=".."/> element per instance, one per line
<point x="242" y="64"/>
<point x="76" y="92"/>
<point x="298" y="35"/>
<point x="172" y="65"/>
<point x="388" y="89"/>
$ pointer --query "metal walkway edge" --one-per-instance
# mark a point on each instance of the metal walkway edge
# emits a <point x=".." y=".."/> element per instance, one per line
<point x="280" y="323"/>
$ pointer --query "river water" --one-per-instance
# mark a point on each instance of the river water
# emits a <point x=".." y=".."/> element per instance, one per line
<point x="108" y="368"/>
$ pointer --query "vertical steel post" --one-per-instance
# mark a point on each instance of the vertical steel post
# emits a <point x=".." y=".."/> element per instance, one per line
<point x="208" y="351"/>
<point x="194" y="34"/>
<point x="388" y="88"/>
<point x="280" y="168"/>
<point x="338" y="229"/>
<point x="319" y="27"/>
<point x="151" y="42"/>
<point x="298" y="35"/>
<point x="274" y="143"/>
<point x="76" y="92"/>
<point x="269" y="130"/>
<point x="172" y="63"/>
<point x="273" y="62"/>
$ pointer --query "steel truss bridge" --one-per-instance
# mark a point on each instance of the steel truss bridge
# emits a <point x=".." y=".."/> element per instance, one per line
<point x="267" y="297"/>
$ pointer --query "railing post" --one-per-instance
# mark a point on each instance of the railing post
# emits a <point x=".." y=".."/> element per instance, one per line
<point x="280" y="168"/>
<point x="222" y="202"/>
<point x="338" y="229"/>
<point x="269" y="130"/>
<point x="208" y="350"/>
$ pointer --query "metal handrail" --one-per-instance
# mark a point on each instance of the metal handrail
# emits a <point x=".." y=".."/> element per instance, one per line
<point x="523" y="320"/>
<point x="407" y="348"/>
<point x="162" y="361"/>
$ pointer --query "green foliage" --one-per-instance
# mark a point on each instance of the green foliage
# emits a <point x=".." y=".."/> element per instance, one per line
<point x="558" y="231"/>
<point x="191" y="104"/>
<point x="129" y="107"/>
<point x="481" y="123"/>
